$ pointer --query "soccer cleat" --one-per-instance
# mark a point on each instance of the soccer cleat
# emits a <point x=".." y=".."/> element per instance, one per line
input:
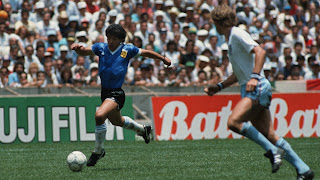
<point x="147" y="135"/>
<point x="95" y="157"/>
<point x="275" y="159"/>
<point x="306" y="176"/>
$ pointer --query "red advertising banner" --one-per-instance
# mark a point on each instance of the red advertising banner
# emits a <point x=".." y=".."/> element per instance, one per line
<point x="205" y="117"/>
<point x="313" y="84"/>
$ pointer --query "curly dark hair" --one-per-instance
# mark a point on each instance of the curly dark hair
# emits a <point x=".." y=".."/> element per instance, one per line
<point x="116" y="30"/>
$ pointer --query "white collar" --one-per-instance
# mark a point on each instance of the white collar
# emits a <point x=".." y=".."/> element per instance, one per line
<point x="113" y="52"/>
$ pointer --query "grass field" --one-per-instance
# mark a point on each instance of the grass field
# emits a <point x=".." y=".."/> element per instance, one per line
<point x="203" y="159"/>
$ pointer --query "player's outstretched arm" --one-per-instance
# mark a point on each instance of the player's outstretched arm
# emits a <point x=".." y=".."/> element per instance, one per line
<point x="81" y="50"/>
<point x="154" y="55"/>
<point x="211" y="90"/>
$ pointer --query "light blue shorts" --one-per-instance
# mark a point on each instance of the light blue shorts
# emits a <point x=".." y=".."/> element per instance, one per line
<point x="262" y="93"/>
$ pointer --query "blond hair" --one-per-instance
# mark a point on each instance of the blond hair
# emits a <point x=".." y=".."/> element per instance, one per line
<point x="224" y="15"/>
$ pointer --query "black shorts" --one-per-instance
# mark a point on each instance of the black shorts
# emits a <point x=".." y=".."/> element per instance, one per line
<point x="115" y="94"/>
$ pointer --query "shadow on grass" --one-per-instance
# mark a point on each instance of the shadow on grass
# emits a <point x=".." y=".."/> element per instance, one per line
<point x="114" y="169"/>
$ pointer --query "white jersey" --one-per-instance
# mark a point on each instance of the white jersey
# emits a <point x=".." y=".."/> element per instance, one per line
<point x="240" y="46"/>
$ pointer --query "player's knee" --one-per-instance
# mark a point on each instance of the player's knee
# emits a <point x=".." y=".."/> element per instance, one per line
<point x="116" y="123"/>
<point x="99" y="117"/>
<point x="233" y="125"/>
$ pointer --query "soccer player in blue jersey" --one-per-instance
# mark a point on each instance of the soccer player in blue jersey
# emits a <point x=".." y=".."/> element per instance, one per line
<point x="247" y="59"/>
<point x="114" y="57"/>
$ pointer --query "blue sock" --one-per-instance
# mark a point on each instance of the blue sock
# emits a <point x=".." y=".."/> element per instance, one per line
<point x="252" y="133"/>
<point x="292" y="156"/>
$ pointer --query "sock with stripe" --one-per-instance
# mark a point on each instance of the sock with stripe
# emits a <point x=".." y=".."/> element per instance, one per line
<point x="292" y="156"/>
<point x="132" y="125"/>
<point x="100" y="132"/>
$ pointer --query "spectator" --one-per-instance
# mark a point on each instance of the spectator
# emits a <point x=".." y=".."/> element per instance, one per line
<point x="25" y="37"/>
<point x="4" y="37"/>
<point x="188" y="54"/>
<point x="213" y="46"/>
<point x="37" y="16"/>
<point x="93" y="78"/>
<point x="307" y="38"/>
<point x="226" y="68"/>
<point x="162" y="41"/>
<point x="201" y="64"/>
<point x="41" y="79"/>
<point x="84" y="10"/>
<point x="137" y="41"/>
<point x="246" y="15"/>
<point x="4" y="72"/>
<point x="314" y="51"/>
<point x="66" y="77"/>
<point x="63" y="21"/>
<point x="6" y="63"/>
<point x="182" y="79"/>
<point x="202" y="79"/>
<point x="298" y="50"/>
<point x="270" y="26"/>
<point x="31" y="26"/>
<point x="286" y="52"/>
<point x="50" y="76"/>
<point x="193" y="36"/>
<point x="43" y="27"/>
<point x="301" y="62"/>
<point x="58" y="66"/>
<point x="71" y="7"/>
<point x="295" y="73"/>
<point x="148" y="75"/>
<point x="292" y="38"/>
<point x="24" y="80"/>
<point x="151" y="39"/>
<point x="63" y="52"/>
<point x="315" y="71"/>
<point x="172" y="53"/>
<point x="286" y="70"/>
<point x="13" y="78"/>
<point x="163" y="78"/>
<point x="33" y="69"/>
<point x="99" y="30"/>
<point x="138" y="79"/>
<point x="143" y="33"/>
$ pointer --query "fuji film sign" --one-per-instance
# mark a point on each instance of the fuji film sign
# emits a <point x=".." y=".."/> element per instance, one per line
<point x="204" y="117"/>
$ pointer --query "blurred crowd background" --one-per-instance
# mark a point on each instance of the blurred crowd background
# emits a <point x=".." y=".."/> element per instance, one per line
<point x="35" y="39"/>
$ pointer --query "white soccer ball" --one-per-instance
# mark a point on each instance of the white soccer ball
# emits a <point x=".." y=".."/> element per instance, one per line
<point x="76" y="161"/>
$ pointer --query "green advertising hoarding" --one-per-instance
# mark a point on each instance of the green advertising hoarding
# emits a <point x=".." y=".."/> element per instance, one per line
<point x="55" y="119"/>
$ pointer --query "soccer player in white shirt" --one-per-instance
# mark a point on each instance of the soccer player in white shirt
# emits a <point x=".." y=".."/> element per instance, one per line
<point x="247" y="59"/>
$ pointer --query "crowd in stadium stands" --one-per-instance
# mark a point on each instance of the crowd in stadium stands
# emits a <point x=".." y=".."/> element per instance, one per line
<point x="35" y="39"/>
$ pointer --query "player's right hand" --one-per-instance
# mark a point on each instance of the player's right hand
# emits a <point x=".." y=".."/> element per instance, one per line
<point x="75" y="46"/>
<point x="211" y="90"/>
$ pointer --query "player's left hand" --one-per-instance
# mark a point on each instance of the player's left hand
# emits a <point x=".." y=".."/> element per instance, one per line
<point x="251" y="85"/>
<point x="167" y="61"/>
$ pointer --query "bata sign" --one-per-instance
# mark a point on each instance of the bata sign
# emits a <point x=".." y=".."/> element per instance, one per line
<point x="205" y="117"/>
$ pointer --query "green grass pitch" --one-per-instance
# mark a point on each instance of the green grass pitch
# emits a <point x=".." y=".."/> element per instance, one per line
<point x="220" y="159"/>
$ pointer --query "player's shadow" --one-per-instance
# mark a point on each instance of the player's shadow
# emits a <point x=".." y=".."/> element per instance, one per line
<point x="111" y="169"/>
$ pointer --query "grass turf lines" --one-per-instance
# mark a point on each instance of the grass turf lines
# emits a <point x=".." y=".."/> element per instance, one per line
<point x="201" y="159"/>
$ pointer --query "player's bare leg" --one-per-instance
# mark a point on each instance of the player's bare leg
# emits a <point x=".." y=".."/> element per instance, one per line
<point x="245" y="110"/>
<point x="264" y="124"/>
<point x="101" y="129"/>
<point x="126" y="122"/>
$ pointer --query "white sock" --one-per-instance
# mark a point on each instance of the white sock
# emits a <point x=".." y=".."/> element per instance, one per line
<point x="132" y="125"/>
<point x="100" y="133"/>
